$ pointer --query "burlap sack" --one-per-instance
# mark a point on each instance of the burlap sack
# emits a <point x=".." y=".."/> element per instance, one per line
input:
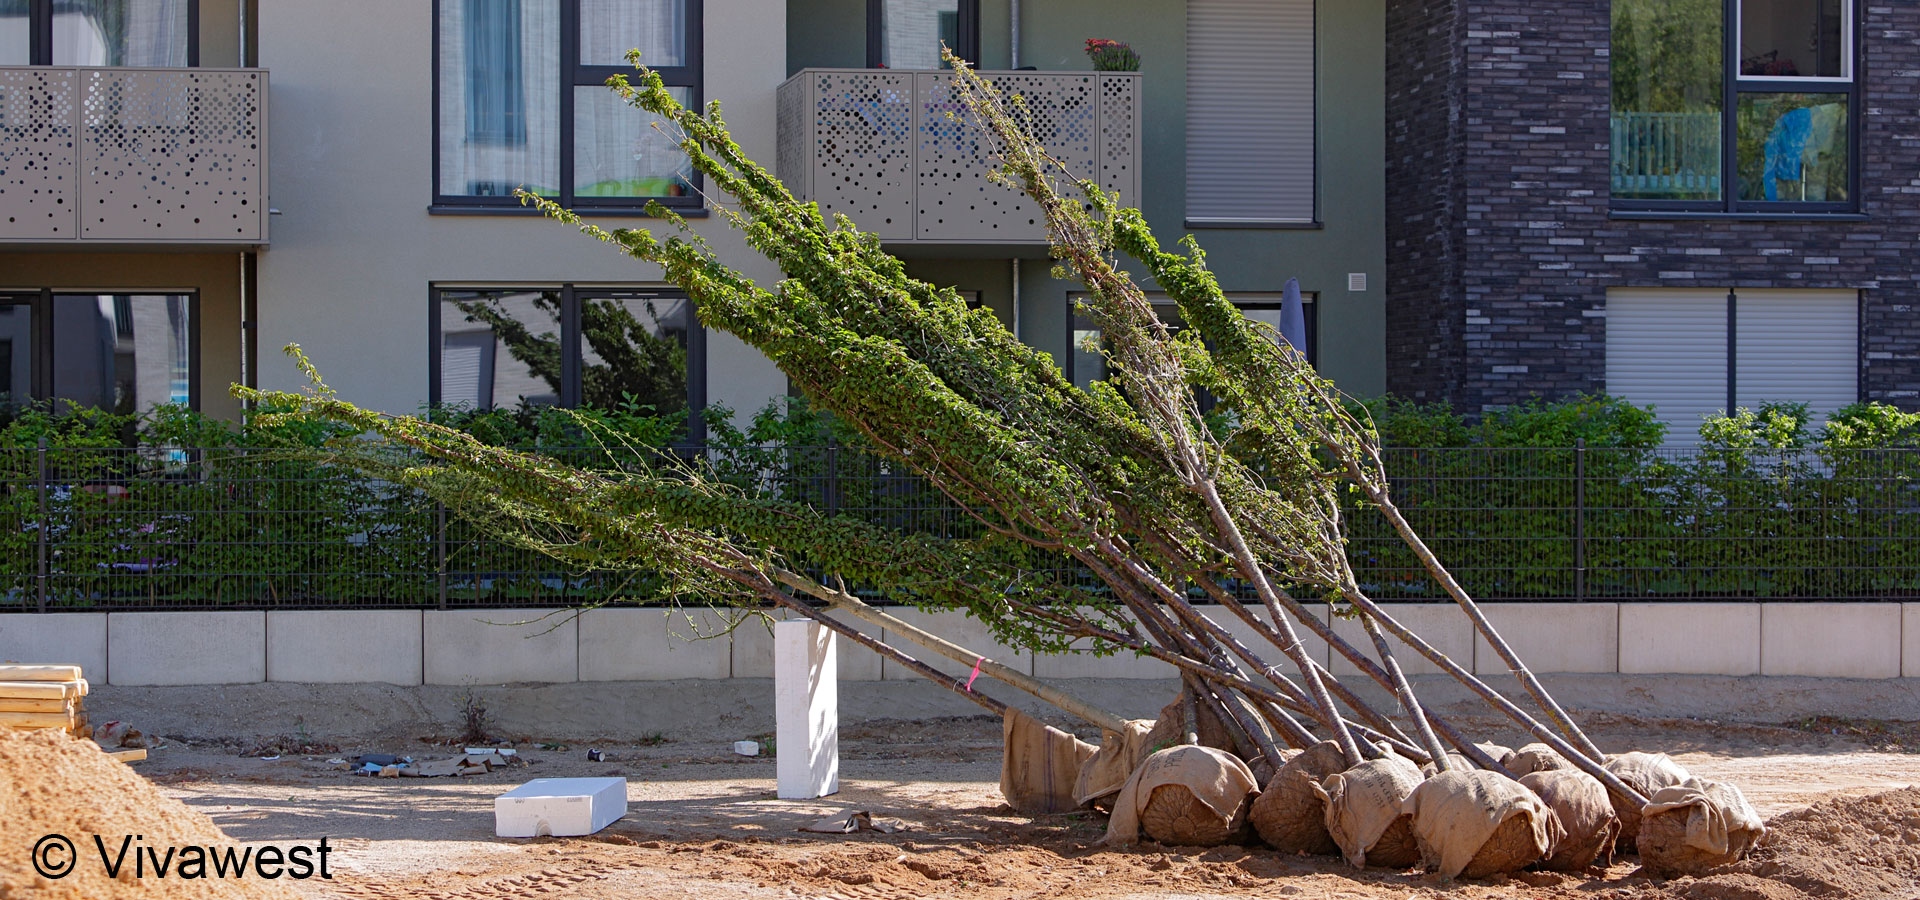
<point x="1494" y="751"/>
<point x="1039" y="764"/>
<point x="1534" y="757"/>
<point x="1170" y="729"/>
<point x="1579" y="801"/>
<point x="1646" y="773"/>
<point x="1696" y="824"/>
<point x="1288" y="814"/>
<point x="1363" y="802"/>
<point x="1103" y="774"/>
<point x="1454" y="761"/>
<point x="1183" y="795"/>
<point x="1475" y="823"/>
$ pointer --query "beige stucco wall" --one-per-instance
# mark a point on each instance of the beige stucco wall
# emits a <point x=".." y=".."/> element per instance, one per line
<point x="215" y="275"/>
<point x="354" y="247"/>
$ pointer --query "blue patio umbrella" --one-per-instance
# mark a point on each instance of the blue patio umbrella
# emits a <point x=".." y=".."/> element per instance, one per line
<point x="1293" y="317"/>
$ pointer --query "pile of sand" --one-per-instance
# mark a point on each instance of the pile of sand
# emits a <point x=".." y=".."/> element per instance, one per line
<point x="1850" y="847"/>
<point x="54" y="784"/>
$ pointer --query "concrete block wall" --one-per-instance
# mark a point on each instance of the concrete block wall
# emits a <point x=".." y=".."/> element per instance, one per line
<point x="499" y="646"/>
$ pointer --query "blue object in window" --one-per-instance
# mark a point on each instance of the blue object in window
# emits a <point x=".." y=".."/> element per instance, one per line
<point x="496" y="97"/>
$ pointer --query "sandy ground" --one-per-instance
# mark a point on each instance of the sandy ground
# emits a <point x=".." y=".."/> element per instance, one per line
<point x="704" y="823"/>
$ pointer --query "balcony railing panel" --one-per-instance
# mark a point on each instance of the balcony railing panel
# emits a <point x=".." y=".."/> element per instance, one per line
<point x="879" y="146"/>
<point x="117" y="155"/>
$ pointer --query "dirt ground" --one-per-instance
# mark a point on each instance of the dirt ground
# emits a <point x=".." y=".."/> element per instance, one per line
<point x="704" y="823"/>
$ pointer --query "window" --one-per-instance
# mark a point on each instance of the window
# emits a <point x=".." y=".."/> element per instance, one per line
<point x="99" y="32"/>
<point x="1734" y="105"/>
<point x="1694" y="353"/>
<point x="1087" y="363"/>
<point x="121" y="352"/>
<point x="569" y="346"/>
<point x="908" y="34"/>
<point x="522" y="102"/>
<point x="1250" y="113"/>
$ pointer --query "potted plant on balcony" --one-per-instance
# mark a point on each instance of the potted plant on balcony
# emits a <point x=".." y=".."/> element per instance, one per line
<point x="1112" y="56"/>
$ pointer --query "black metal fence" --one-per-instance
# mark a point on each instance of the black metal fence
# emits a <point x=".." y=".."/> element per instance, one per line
<point x="166" y="528"/>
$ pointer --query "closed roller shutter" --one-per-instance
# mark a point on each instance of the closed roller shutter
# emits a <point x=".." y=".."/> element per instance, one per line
<point x="1797" y="346"/>
<point x="1668" y="348"/>
<point x="1250" y="111"/>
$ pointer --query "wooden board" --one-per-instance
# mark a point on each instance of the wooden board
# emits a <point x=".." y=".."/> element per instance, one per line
<point x="127" y="756"/>
<point x="36" y="720"/>
<point x="39" y="673"/>
<point x="41" y="690"/>
<point x="49" y="705"/>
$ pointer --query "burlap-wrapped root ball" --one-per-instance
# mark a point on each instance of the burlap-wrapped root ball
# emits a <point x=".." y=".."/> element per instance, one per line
<point x="1695" y="825"/>
<point x="1363" y="804"/>
<point x="1288" y="814"/>
<point x="1646" y="773"/>
<point x="1534" y="758"/>
<point x="1474" y="823"/>
<point x="1579" y="801"/>
<point x="1454" y="761"/>
<point x="1189" y="795"/>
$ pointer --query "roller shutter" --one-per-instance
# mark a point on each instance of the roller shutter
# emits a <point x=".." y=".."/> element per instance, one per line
<point x="1250" y="111"/>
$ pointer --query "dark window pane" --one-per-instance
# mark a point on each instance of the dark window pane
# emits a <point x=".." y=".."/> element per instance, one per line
<point x="499" y="97"/>
<point x="1793" y="147"/>
<point x="120" y="33"/>
<point x="123" y="353"/>
<point x="609" y="28"/>
<point x="1667" y="77"/>
<point x="634" y="352"/>
<point x="499" y="348"/>
<point x="16" y="353"/>
<point x="1792" y="39"/>
<point x="911" y="32"/>
<point x="15" y="33"/>
<point x="618" y="153"/>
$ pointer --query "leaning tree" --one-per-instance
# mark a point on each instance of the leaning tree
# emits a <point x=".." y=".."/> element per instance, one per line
<point x="1102" y="514"/>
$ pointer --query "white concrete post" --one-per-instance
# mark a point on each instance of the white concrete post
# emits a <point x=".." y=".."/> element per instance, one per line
<point x="806" y="691"/>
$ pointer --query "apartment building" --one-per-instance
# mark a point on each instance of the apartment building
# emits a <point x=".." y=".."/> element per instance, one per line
<point x="1701" y="205"/>
<point x="187" y="185"/>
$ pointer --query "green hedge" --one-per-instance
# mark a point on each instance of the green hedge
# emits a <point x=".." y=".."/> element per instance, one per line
<point x="1763" y="508"/>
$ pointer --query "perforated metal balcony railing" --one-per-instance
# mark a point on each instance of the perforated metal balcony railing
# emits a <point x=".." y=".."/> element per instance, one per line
<point x="878" y="145"/>
<point x="133" y="156"/>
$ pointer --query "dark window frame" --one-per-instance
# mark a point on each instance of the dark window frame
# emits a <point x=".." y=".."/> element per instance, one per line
<point x="575" y="74"/>
<point x="40" y="32"/>
<point x="572" y="354"/>
<point x="40" y="303"/>
<point x="1732" y="85"/>
<point x="966" y="32"/>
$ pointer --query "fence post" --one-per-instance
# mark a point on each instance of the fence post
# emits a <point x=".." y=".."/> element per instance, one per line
<point x="440" y="549"/>
<point x="40" y="547"/>
<point x="1580" y="518"/>
<point x="833" y="477"/>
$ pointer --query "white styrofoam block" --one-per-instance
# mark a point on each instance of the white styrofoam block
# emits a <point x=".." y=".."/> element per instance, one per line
<point x="806" y="710"/>
<point x="561" y="807"/>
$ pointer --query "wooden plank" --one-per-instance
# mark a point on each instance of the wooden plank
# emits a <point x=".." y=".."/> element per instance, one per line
<point x="36" y="720"/>
<point x="39" y="673"/>
<point x="40" y="690"/>
<point x="49" y="705"/>
<point x="127" y="756"/>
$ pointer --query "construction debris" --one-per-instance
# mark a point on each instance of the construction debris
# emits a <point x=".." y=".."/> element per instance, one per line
<point x="854" y="821"/>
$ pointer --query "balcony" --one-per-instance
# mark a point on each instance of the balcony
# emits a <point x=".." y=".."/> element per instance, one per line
<point x="877" y="145"/>
<point x="100" y="156"/>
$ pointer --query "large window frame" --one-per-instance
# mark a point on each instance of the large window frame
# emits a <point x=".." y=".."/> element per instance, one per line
<point x="40" y="32"/>
<point x="575" y="74"/>
<point x="572" y="351"/>
<point x="40" y="303"/>
<point x="1078" y="326"/>
<point x="1733" y="85"/>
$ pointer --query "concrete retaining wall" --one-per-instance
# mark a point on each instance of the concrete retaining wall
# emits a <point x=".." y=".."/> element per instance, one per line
<point x="503" y="646"/>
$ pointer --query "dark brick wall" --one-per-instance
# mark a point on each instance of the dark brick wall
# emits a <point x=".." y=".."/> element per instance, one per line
<point x="1534" y="249"/>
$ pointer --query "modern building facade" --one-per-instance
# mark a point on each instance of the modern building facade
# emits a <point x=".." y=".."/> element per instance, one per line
<point x="1702" y="205"/>
<point x="399" y="260"/>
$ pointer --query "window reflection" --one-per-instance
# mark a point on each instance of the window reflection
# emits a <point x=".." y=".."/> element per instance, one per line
<point x="1793" y="147"/>
<point x="120" y="33"/>
<point x="123" y="352"/>
<point x="633" y="350"/>
<point x="16" y="353"/>
<point x="911" y="32"/>
<point x="1792" y="39"/>
<point x="500" y="348"/>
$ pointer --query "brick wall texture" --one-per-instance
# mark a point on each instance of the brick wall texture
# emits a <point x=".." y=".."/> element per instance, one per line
<point x="1501" y="248"/>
